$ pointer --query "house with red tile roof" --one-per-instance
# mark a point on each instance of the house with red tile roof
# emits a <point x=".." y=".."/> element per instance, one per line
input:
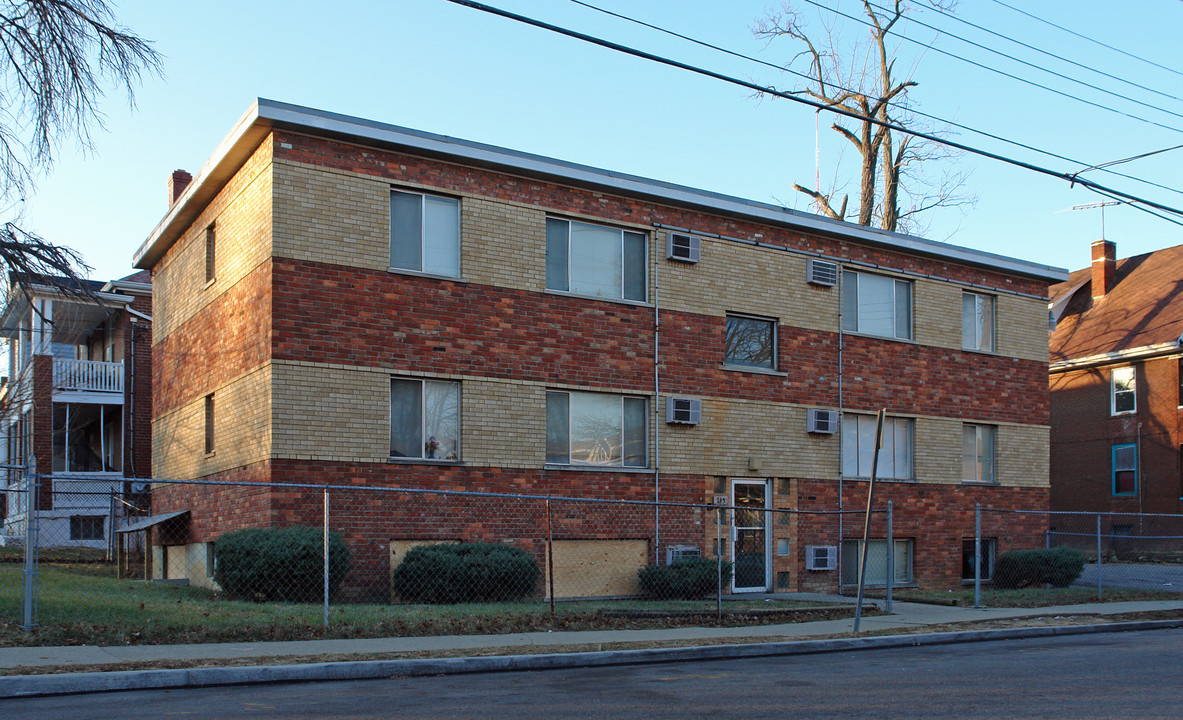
<point x="1115" y="380"/>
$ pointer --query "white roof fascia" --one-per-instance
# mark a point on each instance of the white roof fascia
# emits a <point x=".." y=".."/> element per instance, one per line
<point x="267" y="113"/>
<point x="1117" y="356"/>
<point x="137" y="288"/>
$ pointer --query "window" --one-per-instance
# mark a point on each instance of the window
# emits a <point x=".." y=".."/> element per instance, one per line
<point x="977" y="453"/>
<point x="858" y="446"/>
<point x="877" y="562"/>
<point x="750" y="342"/>
<point x="209" y="424"/>
<point x="210" y="253"/>
<point x="967" y="559"/>
<point x="876" y="305"/>
<point x="1125" y="469"/>
<point x="594" y="429"/>
<point x="425" y="233"/>
<point x="87" y="527"/>
<point x="595" y="260"/>
<point x="977" y="322"/>
<point x="1124" y="390"/>
<point x="425" y="419"/>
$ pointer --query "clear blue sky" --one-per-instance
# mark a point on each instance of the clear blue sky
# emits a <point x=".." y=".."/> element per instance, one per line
<point x="439" y="67"/>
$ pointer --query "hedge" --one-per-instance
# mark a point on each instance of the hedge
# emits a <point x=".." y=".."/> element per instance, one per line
<point x="687" y="578"/>
<point x="284" y="564"/>
<point x="465" y="572"/>
<point x="1058" y="567"/>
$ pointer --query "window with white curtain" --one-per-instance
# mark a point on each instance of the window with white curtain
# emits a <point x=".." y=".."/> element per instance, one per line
<point x="876" y="305"/>
<point x="596" y="429"/>
<point x="424" y="419"/>
<point x="425" y="233"/>
<point x="595" y="260"/>
<point x="858" y="447"/>
<point x="877" y="562"/>
<point x="977" y="322"/>
<point x="977" y="453"/>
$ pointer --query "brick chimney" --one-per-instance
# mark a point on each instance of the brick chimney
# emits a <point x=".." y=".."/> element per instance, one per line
<point x="177" y="182"/>
<point x="1104" y="267"/>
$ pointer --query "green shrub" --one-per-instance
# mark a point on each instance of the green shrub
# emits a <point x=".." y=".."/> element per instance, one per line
<point x="284" y="564"/>
<point x="687" y="578"/>
<point x="465" y="572"/>
<point x="1058" y="567"/>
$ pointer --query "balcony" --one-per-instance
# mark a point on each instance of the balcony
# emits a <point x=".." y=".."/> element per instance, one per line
<point x="88" y="375"/>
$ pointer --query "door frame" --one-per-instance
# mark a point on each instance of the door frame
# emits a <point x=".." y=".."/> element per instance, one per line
<point x="766" y="485"/>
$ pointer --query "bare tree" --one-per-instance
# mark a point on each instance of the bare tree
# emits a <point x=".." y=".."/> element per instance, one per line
<point x="56" y="57"/>
<point x="862" y="80"/>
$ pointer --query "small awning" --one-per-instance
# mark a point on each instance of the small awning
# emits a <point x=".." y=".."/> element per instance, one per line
<point x="150" y="521"/>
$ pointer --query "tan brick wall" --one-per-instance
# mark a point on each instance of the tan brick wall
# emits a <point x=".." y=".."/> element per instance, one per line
<point x="330" y="412"/>
<point x="242" y="213"/>
<point x="242" y="433"/>
<point x="331" y="216"/>
<point x="742" y="279"/>
<point x="1020" y="456"/>
<point x="1020" y="323"/>
<point x="732" y="431"/>
<point x="503" y="244"/>
<point x="1022" y="327"/>
<point x="503" y="423"/>
<point x="936" y="311"/>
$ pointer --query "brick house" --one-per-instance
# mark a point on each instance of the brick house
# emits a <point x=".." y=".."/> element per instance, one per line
<point x="359" y="303"/>
<point x="78" y="398"/>
<point x="1115" y="374"/>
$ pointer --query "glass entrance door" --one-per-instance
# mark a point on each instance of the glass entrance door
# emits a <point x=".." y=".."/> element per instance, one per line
<point x="749" y="535"/>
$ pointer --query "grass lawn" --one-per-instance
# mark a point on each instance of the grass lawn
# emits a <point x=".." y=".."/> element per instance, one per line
<point x="83" y="603"/>
<point x="1031" y="597"/>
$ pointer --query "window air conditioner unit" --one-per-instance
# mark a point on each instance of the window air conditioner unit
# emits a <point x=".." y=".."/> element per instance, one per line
<point x="822" y="272"/>
<point x="683" y="411"/>
<point x="824" y="422"/>
<point x="682" y="247"/>
<point x="821" y="557"/>
<point x="677" y="552"/>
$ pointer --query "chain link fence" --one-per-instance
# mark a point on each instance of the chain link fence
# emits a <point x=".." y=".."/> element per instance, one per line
<point x="327" y="555"/>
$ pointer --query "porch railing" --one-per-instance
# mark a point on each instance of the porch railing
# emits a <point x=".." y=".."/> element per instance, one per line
<point x="88" y="375"/>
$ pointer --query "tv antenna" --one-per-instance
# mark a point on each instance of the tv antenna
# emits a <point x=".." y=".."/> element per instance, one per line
<point x="1094" y="206"/>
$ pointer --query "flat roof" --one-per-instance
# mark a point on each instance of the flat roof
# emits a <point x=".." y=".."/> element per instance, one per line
<point x="264" y="115"/>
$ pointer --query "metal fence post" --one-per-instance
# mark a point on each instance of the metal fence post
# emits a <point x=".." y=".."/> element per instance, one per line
<point x="31" y="489"/>
<point x="326" y="559"/>
<point x="977" y="555"/>
<point x="890" y="559"/>
<point x="719" y="562"/>
<point x="1098" y="556"/>
<point x="550" y="559"/>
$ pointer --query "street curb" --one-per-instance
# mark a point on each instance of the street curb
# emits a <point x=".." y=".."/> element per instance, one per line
<point x="77" y="683"/>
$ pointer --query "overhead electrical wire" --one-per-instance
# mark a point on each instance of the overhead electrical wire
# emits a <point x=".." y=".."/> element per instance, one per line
<point x="1041" y="51"/>
<point x="1017" y="78"/>
<point x="1133" y="200"/>
<point x="1086" y="37"/>
<point x="1103" y="166"/>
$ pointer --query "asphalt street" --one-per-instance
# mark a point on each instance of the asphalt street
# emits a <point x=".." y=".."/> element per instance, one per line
<point x="1120" y="675"/>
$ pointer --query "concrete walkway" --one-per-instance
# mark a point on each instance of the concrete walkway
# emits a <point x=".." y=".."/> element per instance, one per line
<point x="908" y="616"/>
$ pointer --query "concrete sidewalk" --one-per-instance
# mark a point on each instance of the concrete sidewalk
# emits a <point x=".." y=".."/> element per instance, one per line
<point x="784" y="639"/>
<point x="905" y="616"/>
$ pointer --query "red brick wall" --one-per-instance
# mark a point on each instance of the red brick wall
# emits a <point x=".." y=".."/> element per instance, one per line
<point x="137" y="448"/>
<point x="1084" y="431"/>
<point x="43" y="426"/>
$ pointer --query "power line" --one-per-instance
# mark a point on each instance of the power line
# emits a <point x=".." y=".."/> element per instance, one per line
<point x="1017" y="78"/>
<point x="1086" y="37"/>
<point x="950" y="123"/>
<point x="1134" y="200"/>
<point x="1043" y="52"/>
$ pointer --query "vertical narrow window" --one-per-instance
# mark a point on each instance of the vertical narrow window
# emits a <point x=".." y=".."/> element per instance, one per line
<point x="876" y="305"/>
<point x="1125" y="469"/>
<point x="968" y="550"/>
<point x="977" y="453"/>
<point x="1124" y="390"/>
<point x="595" y="260"/>
<point x="977" y="322"/>
<point x="209" y="424"/>
<point x="425" y="233"/>
<point x="425" y="419"/>
<point x="211" y="242"/>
